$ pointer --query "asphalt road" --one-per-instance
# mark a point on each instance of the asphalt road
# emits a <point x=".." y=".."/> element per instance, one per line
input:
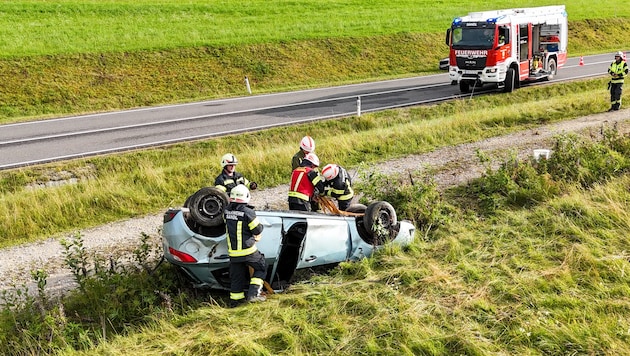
<point x="31" y="143"/>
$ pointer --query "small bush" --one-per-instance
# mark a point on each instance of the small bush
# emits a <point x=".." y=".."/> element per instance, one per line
<point x="575" y="160"/>
<point x="414" y="198"/>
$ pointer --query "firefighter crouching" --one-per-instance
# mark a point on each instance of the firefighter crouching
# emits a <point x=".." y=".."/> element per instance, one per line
<point x="243" y="231"/>
<point x="306" y="182"/>
<point x="338" y="185"/>
<point x="617" y="70"/>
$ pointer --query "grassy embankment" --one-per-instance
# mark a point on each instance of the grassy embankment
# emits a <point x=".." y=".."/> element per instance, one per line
<point x="546" y="278"/>
<point x="68" y="57"/>
<point x="46" y="77"/>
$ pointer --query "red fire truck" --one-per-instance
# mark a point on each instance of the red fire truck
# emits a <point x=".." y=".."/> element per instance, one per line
<point x="507" y="47"/>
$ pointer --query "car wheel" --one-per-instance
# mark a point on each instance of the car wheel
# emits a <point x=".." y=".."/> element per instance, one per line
<point x="207" y="206"/>
<point x="380" y="221"/>
<point x="356" y="208"/>
<point x="363" y="232"/>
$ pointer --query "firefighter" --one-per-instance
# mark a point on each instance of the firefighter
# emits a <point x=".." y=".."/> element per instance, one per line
<point x="229" y="177"/>
<point x="307" y="145"/>
<point x="338" y="185"/>
<point x="243" y="231"/>
<point x="617" y="70"/>
<point x="306" y="182"/>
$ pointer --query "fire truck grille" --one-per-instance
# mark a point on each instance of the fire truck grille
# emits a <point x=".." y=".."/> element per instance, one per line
<point x="471" y="63"/>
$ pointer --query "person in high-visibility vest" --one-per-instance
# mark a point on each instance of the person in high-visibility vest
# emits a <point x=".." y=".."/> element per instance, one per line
<point x="243" y="231"/>
<point x="617" y="70"/>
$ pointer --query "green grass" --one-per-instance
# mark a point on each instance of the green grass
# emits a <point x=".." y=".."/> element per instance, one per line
<point x="83" y="64"/>
<point x="110" y="188"/>
<point x="551" y="279"/>
<point x="37" y="28"/>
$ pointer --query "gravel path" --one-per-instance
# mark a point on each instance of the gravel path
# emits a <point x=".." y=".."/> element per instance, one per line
<point x="450" y="166"/>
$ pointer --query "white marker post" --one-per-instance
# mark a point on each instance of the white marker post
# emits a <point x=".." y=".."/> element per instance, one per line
<point x="358" y="106"/>
<point x="249" y="89"/>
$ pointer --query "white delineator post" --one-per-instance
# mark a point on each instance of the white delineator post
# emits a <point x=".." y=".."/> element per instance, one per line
<point x="249" y="89"/>
<point x="358" y="106"/>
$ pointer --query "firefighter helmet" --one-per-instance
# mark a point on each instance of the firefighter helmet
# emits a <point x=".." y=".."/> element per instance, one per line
<point x="228" y="159"/>
<point x="307" y="144"/>
<point x="330" y="171"/>
<point x="240" y="194"/>
<point x="619" y="54"/>
<point x="311" y="157"/>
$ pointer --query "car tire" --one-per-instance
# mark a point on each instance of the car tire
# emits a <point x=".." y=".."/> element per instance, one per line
<point x="207" y="206"/>
<point x="363" y="232"/>
<point x="380" y="221"/>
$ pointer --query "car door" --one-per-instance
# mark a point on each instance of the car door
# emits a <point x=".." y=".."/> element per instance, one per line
<point x="327" y="241"/>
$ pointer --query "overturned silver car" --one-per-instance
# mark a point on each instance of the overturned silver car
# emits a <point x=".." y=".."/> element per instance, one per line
<point x="194" y="238"/>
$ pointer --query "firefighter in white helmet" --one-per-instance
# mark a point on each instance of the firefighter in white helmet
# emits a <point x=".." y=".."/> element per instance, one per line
<point x="229" y="177"/>
<point x="307" y="145"/>
<point x="243" y="231"/>
<point x="618" y="70"/>
<point x="306" y="182"/>
<point x="338" y="185"/>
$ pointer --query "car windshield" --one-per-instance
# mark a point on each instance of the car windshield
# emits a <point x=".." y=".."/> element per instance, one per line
<point x="473" y="38"/>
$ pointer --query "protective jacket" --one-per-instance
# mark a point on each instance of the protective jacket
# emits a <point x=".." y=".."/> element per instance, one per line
<point x="305" y="182"/>
<point x="620" y="69"/>
<point x="226" y="182"/>
<point x="241" y="226"/>
<point x="340" y="188"/>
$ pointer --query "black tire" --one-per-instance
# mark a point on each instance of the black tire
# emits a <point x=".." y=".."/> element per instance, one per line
<point x="509" y="80"/>
<point x="464" y="87"/>
<point x="356" y="208"/>
<point x="207" y="206"/>
<point x="380" y="221"/>
<point x="363" y="232"/>
<point x="552" y="67"/>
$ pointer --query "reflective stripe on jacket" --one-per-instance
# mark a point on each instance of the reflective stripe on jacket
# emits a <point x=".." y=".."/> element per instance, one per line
<point x="340" y="187"/>
<point x="241" y="225"/>
<point x="621" y="69"/>
<point x="225" y="182"/>
<point x="305" y="182"/>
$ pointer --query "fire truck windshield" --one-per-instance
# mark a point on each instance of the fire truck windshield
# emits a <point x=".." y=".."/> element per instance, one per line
<point x="472" y="38"/>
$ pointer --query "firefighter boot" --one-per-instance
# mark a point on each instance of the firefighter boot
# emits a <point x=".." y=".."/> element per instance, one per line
<point x="254" y="295"/>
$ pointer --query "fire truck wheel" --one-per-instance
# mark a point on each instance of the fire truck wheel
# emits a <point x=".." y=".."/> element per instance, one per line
<point x="509" y="81"/>
<point x="553" y="69"/>
<point x="464" y="87"/>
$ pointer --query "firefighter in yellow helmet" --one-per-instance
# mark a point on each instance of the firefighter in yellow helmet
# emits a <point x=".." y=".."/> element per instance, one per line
<point x="618" y="70"/>
<point x="229" y="177"/>
<point x="243" y="231"/>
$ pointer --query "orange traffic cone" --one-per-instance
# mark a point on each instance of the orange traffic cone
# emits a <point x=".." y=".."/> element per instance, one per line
<point x="581" y="60"/>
